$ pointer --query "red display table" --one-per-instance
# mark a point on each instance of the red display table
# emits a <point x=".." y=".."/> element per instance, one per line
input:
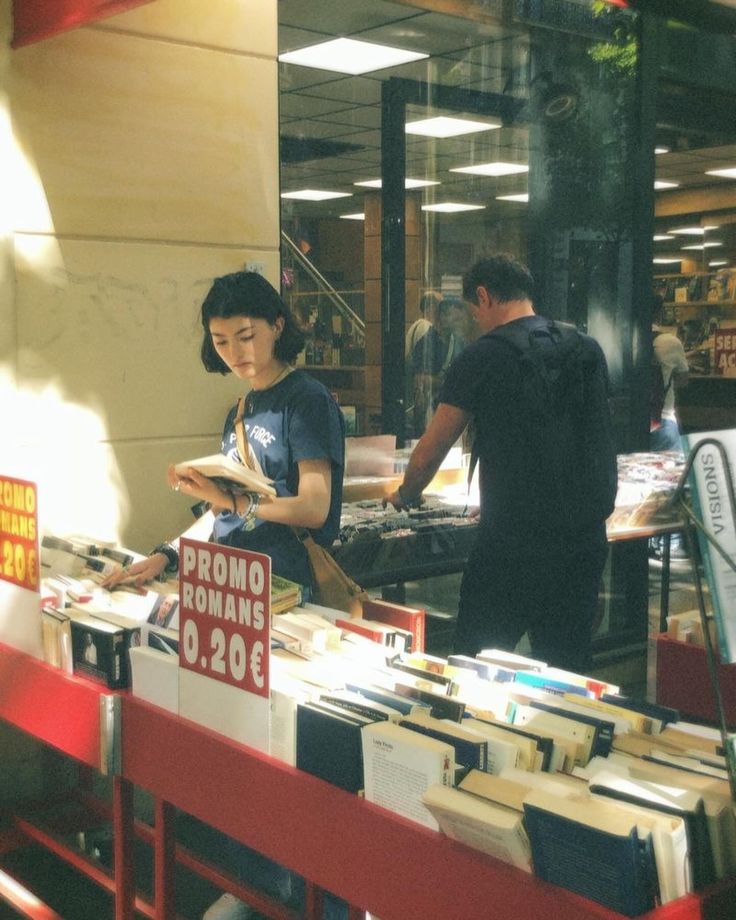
<point x="372" y="858"/>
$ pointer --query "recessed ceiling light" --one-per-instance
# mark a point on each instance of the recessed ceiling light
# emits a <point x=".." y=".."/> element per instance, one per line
<point x="492" y="169"/>
<point x="522" y="196"/>
<point x="702" y="245"/>
<point x="346" y="55"/>
<point x="659" y="150"/>
<point x="408" y="183"/>
<point x="718" y="262"/>
<point x="660" y="237"/>
<point x="443" y="126"/>
<point x="359" y="216"/>
<point x="660" y="183"/>
<point x="663" y="261"/>
<point x="451" y="207"/>
<point x="689" y="231"/>
<point x="729" y="173"/>
<point x="313" y="194"/>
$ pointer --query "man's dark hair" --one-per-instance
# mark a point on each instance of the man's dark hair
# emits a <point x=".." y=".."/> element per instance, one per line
<point x="247" y="294"/>
<point x="502" y="276"/>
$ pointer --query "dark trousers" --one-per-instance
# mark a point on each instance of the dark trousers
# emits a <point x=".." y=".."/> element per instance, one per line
<point x="548" y="589"/>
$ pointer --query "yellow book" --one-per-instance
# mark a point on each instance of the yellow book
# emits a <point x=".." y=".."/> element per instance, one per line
<point x="639" y="722"/>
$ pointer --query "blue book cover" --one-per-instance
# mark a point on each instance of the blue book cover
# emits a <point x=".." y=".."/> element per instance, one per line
<point x="551" y="684"/>
<point x="615" y="869"/>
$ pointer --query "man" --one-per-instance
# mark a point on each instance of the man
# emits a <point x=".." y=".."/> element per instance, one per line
<point x="546" y="489"/>
<point x="670" y="372"/>
<point x="419" y="385"/>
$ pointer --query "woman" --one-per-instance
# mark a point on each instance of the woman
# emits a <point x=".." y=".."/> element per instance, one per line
<point x="295" y="434"/>
<point x="294" y="431"/>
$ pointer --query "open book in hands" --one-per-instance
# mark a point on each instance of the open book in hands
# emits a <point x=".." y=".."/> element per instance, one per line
<point x="228" y="474"/>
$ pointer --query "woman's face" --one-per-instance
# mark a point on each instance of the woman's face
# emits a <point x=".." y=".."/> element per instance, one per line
<point x="246" y="345"/>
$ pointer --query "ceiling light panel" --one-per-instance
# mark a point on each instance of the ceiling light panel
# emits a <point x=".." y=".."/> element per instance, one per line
<point x="443" y="126"/>
<point x="662" y="184"/>
<point x="408" y="183"/>
<point x="313" y="194"/>
<point x="346" y="55"/>
<point x="729" y="173"/>
<point x="522" y="196"/>
<point x="452" y="207"/>
<point x="496" y="169"/>
<point x="359" y="216"/>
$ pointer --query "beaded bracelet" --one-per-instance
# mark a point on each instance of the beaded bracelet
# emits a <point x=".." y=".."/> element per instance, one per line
<point x="172" y="557"/>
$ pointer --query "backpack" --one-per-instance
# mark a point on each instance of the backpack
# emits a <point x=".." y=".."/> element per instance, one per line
<point x="564" y="412"/>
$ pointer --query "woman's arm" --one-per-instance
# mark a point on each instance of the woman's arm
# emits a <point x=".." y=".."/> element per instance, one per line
<point x="309" y="507"/>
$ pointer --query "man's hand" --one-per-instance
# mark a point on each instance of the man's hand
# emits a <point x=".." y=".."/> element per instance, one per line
<point x="400" y="501"/>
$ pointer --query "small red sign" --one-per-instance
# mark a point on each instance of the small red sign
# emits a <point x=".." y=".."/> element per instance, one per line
<point x="225" y="614"/>
<point x="725" y="351"/>
<point x="19" y="532"/>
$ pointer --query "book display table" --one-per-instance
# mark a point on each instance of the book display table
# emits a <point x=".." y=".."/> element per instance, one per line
<point x="373" y="859"/>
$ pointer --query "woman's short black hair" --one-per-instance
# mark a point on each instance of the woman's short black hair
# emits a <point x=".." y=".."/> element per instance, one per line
<point x="501" y="275"/>
<point x="247" y="294"/>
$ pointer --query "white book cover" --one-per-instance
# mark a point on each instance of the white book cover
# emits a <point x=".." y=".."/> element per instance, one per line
<point x="400" y="765"/>
<point x="155" y="677"/>
<point x="710" y="499"/>
<point x="480" y="824"/>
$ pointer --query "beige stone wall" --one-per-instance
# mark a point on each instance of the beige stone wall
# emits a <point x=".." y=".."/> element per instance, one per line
<point x="141" y="159"/>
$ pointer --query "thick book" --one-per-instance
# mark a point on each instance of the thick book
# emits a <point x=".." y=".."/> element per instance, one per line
<point x="710" y="498"/>
<point x="399" y="701"/>
<point x="99" y="651"/>
<point x="441" y="707"/>
<point x="483" y="825"/>
<point x="369" y="709"/>
<point x="471" y="749"/>
<point x="328" y="745"/>
<point x="398" y="615"/>
<point x="670" y="800"/>
<point x="560" y="728"/>
<point x="603" y="729"/>
<point x="587" y="848"/>
<point x="400" y="765"/>
<point x="228" y="473"/>
<point x="660" y="715"/>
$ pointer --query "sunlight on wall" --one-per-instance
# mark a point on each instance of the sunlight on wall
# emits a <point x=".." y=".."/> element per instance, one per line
<point x="25" y="208"/>
<point x="62" y="447"/>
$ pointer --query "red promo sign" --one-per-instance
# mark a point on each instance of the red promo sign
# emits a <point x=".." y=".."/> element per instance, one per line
<point x="19" y="532"/>
<point x="225" y="614"/>
<point x="725" y="351"/>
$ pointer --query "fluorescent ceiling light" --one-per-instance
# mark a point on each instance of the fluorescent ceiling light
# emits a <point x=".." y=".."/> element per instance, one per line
<point x="522" y="196"/>
<point x="659" y="150"/>
<point x="492" y="169"/>
<point x="346" y="55"/>
<point x="718" y="262"/>
<point x="660" y="237"/>
<point x="451" y="207"/>
<point x="312" y="194"/>
<point x="408" y="183"/>
<point x="442" y="126"/>
<point x="729" y="173"/>
<point x="691" y="231"/>
<point x="660" y="183"/>
<point x="703" y="245"/>
<point x="663" y="261"/>
<point x="359" y="216"/>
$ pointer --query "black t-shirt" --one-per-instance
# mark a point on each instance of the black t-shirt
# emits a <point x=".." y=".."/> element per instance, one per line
<point x="485" y="381"/>
<point x="295" y="420"/>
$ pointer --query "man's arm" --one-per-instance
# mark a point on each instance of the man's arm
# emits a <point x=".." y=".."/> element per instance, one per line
<point x="446" y="426"/>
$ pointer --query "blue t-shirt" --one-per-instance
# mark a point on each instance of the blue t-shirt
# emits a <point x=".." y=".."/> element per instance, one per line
<point x="297" y="419"/>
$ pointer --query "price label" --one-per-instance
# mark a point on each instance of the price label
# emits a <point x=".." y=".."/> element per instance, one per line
<point x="19" y="533"/>
<point x="225" y="611"/>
